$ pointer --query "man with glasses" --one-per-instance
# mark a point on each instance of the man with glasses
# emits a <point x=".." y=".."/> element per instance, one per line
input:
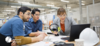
<point x="34" y="25"/>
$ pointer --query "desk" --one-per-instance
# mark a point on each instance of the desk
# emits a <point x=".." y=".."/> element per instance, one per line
<point x="53" y="44"/>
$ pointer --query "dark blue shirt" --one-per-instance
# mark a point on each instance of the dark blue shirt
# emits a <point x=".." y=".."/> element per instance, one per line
<point x="32" y="26"/>
<point x="13" y="27"/>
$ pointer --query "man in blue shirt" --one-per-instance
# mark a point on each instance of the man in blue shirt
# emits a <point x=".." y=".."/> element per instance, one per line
<point x="14" y="29"/>
<point x="34" y="24"/>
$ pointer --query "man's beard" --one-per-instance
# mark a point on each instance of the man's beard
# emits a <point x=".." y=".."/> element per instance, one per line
<point x="25" y="20"/>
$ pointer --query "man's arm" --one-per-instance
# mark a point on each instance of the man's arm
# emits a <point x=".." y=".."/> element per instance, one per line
<point x="18" y="34"/>
<point x="21" y="40"/>
<point x="32" y="34"/>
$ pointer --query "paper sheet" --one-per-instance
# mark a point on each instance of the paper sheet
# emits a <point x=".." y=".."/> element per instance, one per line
<point x="48" y="41"/>
<point x="42" y="44"/>
<point x="54" y="38"/>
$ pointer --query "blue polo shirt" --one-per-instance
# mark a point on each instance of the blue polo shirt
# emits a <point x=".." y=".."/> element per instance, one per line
<point x="13" y="27"/>
<point x="31" y="26"/>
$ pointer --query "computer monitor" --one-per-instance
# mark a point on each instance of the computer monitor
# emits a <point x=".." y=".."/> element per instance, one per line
<point x="76" y="30"/>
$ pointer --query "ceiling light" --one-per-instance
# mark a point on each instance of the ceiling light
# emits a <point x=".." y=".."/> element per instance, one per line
<point x="56" y="7"/>
<point x="64" y="1"/>
<point x="52" y="10"/>
<point x="41" y="9"/>
<point x="28" y="3"/>
<point x="9" y="10"/>
<point x="83" y="4"/>
<point x="23" y="2"/>
<point x="7" y="17"/>
<point x="15" y="6"/>
<point x="69" y="7"/>
<point x="50" y="5"/>
<point x="43" y="12"/>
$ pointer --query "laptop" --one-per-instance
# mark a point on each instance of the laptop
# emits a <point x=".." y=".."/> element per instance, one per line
<point x="75" y="31"/>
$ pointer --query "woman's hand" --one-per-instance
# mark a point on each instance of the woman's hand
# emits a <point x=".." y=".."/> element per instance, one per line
<point x="55" y="32"/>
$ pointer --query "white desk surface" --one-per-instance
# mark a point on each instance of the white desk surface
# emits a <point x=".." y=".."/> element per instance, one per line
<point x="43" y="43"/>
<point x="50" y="39"/>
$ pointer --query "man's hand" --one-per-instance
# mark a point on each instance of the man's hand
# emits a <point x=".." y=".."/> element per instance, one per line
<point x="42" y="36"/>
<point x="36" y="33"/>
<point x="39" y="33"/>
<point x="13" y="43"/>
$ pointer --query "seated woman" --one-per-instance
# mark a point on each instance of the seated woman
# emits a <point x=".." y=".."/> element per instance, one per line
<point x="63" y="22"/>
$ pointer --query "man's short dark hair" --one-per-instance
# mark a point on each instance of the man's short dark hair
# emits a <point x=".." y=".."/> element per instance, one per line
<point x="34" y="10"/>
<point x="23" y="9"/>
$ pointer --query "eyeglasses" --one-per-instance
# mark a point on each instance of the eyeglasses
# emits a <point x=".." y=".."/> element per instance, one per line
<point x="61" y="15"/>
<point x="29" y="14"/>
<point x="37" y="14"/>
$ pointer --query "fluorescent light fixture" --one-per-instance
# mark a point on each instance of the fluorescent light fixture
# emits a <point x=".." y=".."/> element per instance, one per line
<point x="27" y="3"/>
<point x="43" y="12"/>
<point x="9" y="10"/>
<point x="7" y="17"/>
<point x="83" y="4"/>
<point x="69" y="7"/>
<point x="50" y="5"/>
<point x="52" y="10"/>
<point x="23" y="2"/>
<point x="65" y="1"/>
<point x="15" y="6"/>
<point x="41" y="9"/>
<point x="56" y="7"/>
<point x="35" y="5"/>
